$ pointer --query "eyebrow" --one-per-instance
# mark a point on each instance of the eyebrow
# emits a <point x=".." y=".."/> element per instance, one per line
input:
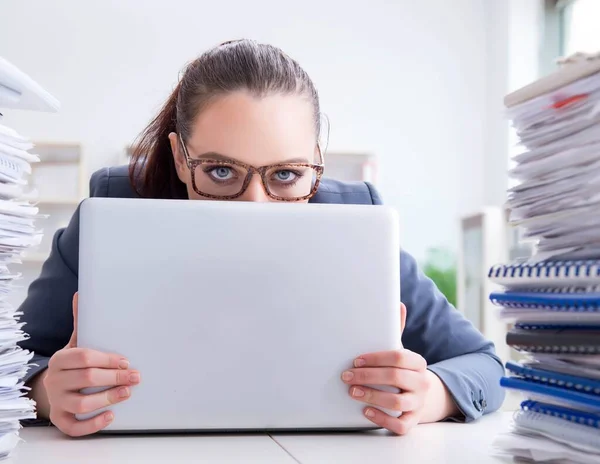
<point x="220" y="157"/>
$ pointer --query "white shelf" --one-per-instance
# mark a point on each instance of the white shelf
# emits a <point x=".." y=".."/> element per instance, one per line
<point x="58" y="201"/>
<point x="57" y="153"/>
<point x="37" y="257"/>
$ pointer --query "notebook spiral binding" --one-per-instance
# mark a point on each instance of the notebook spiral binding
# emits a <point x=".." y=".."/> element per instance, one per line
<point x="563" y="325"/>
<point x="559" y="300"/>
<point x="569" y="382"/>
<point x="547" y="269"/>
<point x="578" y="417"/>
<point x="580" y="308"/>
<point x="573" y="289"/>
<point x="580" y="349"/>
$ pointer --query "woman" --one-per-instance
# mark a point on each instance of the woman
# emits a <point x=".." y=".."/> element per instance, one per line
<point x="243" y="124"/>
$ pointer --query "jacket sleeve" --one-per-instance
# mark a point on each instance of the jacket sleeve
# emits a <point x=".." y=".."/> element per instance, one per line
<point x="48" y="307"/>
<point x="454" y="349"/>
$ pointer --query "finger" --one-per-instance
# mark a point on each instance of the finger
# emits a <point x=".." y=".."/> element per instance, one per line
<point x="393" y="401"/>
<point x="402" y="317"/>
<point x="76" y="403"/>
<point x="401" y="378"/>
<point x="404" y="359"/>
<point x="73" y="341"/>
<point x="77" y="379"/>
<point x="81" y="358"/>
<point x="69" y="425"/>
<point x="398" y="425"/>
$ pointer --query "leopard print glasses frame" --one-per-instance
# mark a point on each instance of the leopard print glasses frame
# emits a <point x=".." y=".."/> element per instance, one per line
<point x="193" y="163"/>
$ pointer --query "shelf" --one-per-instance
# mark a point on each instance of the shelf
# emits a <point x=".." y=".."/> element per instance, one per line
<point x="58" y="201"/>
<point x="56" y="153"/>
<point x="37" y="257"/>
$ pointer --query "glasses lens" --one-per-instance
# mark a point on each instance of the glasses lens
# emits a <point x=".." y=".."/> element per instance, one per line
<point x="219" y="178"/>
<point x="290" y="181"/>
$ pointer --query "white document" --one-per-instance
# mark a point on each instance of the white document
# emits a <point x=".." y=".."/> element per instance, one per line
<point x="20" y="91"/>
<point x="538" y="448"/>
<point x="18" y="234"/>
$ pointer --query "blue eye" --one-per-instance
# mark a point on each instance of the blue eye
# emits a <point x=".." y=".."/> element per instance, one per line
<point x="221" y="173"/>
<point x="285" y="176"/>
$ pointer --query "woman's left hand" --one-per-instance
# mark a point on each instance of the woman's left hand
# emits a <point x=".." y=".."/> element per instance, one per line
<point x="403" y="369"/>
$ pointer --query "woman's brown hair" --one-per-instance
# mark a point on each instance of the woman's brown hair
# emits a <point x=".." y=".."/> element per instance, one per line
<point x="236" y="65"/>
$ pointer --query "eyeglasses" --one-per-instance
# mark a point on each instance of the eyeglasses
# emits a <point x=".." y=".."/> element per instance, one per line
<point x="228" y="179"/>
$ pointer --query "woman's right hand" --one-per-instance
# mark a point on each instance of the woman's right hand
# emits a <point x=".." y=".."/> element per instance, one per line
<point x="72" y="369"/>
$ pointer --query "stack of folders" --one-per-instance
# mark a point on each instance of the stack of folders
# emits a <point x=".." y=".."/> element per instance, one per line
<point x="18" y="233"/>
<point x="552" y="301"/>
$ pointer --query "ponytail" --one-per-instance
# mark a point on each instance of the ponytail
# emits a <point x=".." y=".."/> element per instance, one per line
<point x="152" y="170"/>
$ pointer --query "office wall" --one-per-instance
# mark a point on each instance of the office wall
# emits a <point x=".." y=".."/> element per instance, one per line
<point x="405" y="80"/>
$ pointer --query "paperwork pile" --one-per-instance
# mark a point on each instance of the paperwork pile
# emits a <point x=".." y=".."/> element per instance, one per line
<point x="17" y="234"/>
<point x="553" y="299"/>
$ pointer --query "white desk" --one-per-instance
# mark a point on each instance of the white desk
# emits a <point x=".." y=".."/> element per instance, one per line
<point x="430" y="443"/>
<point x="439" y="443"/>
<point x="47" y="445"/>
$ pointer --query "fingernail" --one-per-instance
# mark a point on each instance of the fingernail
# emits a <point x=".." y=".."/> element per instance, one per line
<point x="134" y="377"/>
<point x="359" y="362"/>
<point x="370" y="413"/>
<point x="109" y="416"/>
<point x="347" y="376"/>
<point x="123" y="364"/>
<point x="358" y="392"/>
<point x="123" y="392"/>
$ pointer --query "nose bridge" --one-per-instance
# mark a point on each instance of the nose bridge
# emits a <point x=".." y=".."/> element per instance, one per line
<point x="256" y="190"/>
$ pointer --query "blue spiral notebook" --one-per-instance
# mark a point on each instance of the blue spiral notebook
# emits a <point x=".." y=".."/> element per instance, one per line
<point x="550" y="301"/>
<point x="589" y="419"/>
<point x="587" y="400"/>
<point x="546" y="377"/>
<point x="546" y="274"/>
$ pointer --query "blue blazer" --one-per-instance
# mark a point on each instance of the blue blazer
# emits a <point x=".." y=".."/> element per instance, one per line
<point x="454" y="350"/>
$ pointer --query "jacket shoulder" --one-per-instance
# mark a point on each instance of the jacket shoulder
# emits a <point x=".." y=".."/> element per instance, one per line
<point x="112" y="182"/>
<point x="336" y="191"/>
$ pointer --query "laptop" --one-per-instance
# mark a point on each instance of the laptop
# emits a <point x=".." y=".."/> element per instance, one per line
<point x="239" y="316"/>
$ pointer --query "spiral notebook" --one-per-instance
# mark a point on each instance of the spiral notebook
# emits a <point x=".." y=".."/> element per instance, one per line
<point x="566" y="300"/>
<point x="560" y="366"/>
<point x="588" y="419"/>
<point x="546" y="274"/>
<point x="548" y="377"/>
<point x="556" y="340"/>
<point x="586" y="400"/>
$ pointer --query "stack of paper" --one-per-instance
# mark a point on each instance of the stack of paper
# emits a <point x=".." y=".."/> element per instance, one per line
<point x="17" y="234"/>
<point x="553" y="300"/>
<point x="557" y="200"/>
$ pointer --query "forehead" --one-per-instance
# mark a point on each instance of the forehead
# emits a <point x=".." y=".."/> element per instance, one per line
<point x="255" y="130"/>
